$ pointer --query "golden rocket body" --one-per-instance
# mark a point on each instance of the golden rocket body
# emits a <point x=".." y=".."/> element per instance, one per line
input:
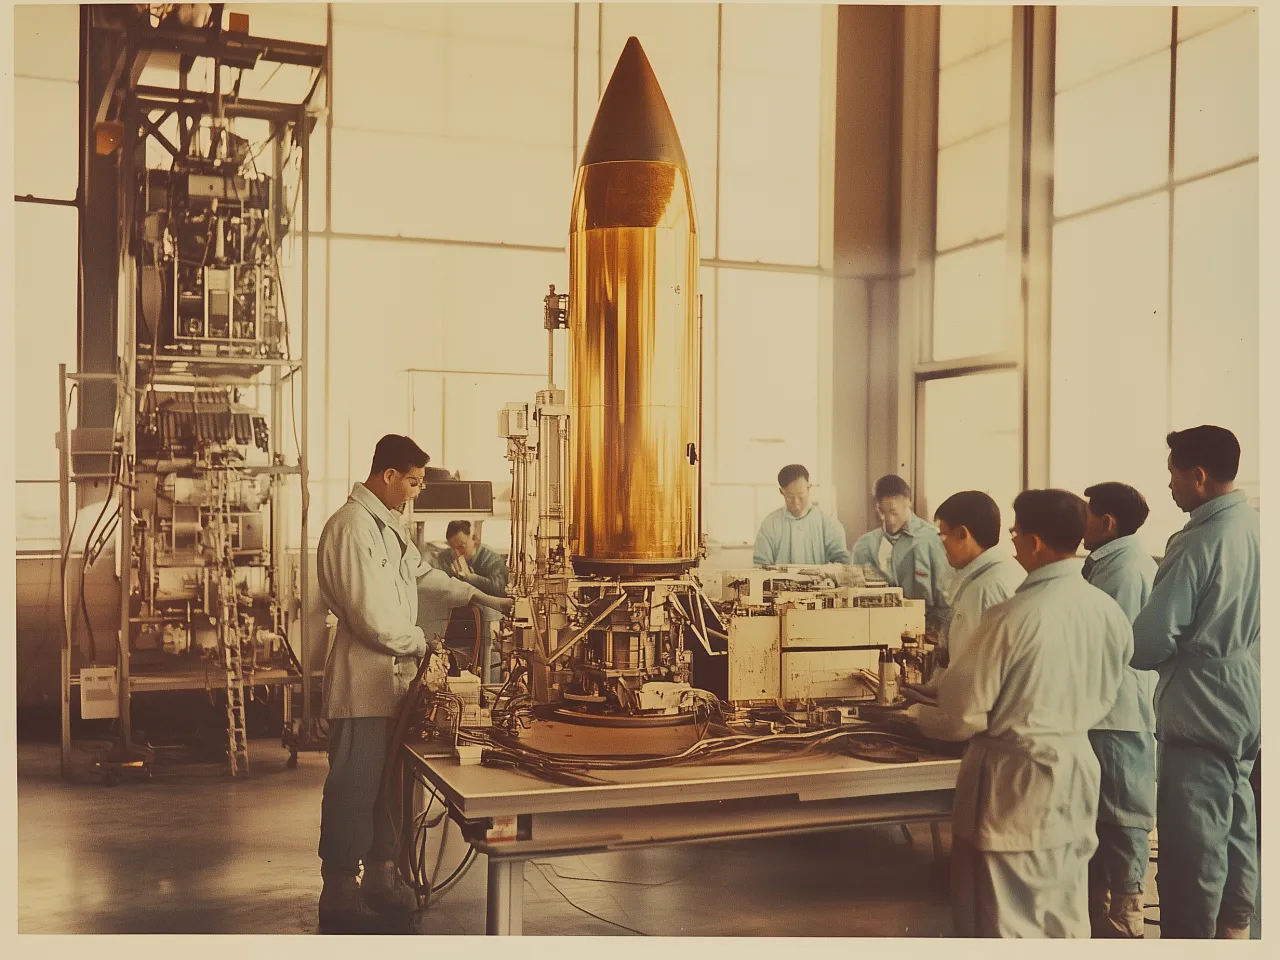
<point x="635" y="342"/>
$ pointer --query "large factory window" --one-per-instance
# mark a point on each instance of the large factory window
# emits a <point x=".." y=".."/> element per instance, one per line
<point x="767" y="389"/>
<point x="969" y="419"/>
<point x="770" y="104"/>
<point x="45" y="98"/>
<point x="974" y="75"/>
<point x="1217" y="104"/>
<point x="470" y="136"/>
<point x="1155" y="264"/>
<point x="1111" y="131"/>
<point x="972" y="438"/>
<point x="1215" y="310"/>
<point x="45" y="336"/>
<point x="1109" y="350"/>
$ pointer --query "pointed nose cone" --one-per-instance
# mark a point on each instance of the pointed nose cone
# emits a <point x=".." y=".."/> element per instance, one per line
<point x="633" y="121"/>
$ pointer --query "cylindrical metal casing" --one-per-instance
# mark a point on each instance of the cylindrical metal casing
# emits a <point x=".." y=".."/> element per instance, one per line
<point x="633" y="368"/>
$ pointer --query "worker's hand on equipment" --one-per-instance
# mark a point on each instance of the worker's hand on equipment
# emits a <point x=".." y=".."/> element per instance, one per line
<point x="913" y="712"/>
<point x="924" y="693"/>
<point x="506" y="605"/>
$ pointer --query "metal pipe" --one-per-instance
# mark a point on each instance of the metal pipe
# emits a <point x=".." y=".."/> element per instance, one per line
<point x="551" y="359"/>
<point x="304" y="593"/>
<point x="587" y="629"/>
<point x="64" y="526"/>
<point x="278" y="537"/>
<point x="125" y="404"/>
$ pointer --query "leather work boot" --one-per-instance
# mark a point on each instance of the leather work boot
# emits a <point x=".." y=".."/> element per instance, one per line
<point x="1126" y="917"/>
<point x="1099" y="907"/>
<point x="384" y="890"/>
<point x="342" y="910"/>
<point x="1234" y="933"/>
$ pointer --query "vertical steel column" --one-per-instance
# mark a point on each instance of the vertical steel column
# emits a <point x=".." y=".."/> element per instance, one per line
<point x="304" y="481"/>
<point x="64" y="525"/>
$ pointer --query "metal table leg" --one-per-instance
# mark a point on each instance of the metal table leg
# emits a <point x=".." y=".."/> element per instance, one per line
<point x="504" y="913"/>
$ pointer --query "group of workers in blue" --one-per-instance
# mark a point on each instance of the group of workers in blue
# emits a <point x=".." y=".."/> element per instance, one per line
<point x="1095" y="708"/>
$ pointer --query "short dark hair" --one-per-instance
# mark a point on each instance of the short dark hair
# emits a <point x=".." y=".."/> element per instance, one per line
<point x="892" y="485"/>
<point x="976" y="512"/>
<point x="456" y="527"/>
<point x="1055" y="516"/>
<point x="1214" y="449"/>
<point x="395" y="452"/>
<point x="791" y="473"/>
<point x="1123" y="502"/>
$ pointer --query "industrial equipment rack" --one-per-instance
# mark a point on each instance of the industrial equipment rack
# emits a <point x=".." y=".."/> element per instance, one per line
<point x="119" y="116"/>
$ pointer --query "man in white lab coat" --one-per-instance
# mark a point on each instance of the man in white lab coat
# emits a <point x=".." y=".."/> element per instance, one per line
<point x="367" y="568"/>
<point x="1043" y="669"/>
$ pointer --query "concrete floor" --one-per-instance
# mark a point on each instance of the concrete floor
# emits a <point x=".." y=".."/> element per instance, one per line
<point x="194" y="852"/>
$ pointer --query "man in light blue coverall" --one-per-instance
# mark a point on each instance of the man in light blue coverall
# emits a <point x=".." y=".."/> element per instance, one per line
<point x="1043" y="668"/>
<point x="1200" y="629"/>
<point x="1125" y="739"/>
<point x="799" y="532"/>
<point x="907" y="551"/>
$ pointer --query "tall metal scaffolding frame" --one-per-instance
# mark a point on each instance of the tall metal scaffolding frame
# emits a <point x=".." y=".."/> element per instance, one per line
<point x="119" y="116"/>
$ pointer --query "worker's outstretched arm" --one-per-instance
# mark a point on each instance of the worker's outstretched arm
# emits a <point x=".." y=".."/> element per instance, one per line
<point x="503" y="605"/>
<point x="968" y="690"/>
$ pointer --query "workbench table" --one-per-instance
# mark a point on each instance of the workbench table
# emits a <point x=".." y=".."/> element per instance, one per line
<point x="512" y="817"/>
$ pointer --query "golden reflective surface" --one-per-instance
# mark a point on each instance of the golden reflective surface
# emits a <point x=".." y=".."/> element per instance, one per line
<point x="633" y="364"/>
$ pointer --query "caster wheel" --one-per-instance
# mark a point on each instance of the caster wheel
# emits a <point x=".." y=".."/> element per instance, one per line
<point x="292" y="762"/>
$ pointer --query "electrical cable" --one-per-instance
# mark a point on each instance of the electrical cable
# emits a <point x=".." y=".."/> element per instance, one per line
<point x="564" y="896"/>
<point x="417" y="864"/>
<point x="628" y="883"/>
<point x="68" y="622"/>
<point x="87" y="558"/>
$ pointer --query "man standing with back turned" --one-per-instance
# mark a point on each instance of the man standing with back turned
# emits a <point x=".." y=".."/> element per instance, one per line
<point x="1124" y="740"/>
<point x="367" y="567"/>
<point x="1201" y="629"/>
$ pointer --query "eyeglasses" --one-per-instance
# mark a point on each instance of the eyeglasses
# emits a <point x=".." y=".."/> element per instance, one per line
<point x="417" y="482"/>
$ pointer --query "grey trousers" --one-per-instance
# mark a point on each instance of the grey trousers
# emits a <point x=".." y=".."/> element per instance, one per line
<point x="1120" y="865"/>
<point x="1208" y="874"/>
<point x="357" y="819"/>
<point x="1029" y="894"/>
